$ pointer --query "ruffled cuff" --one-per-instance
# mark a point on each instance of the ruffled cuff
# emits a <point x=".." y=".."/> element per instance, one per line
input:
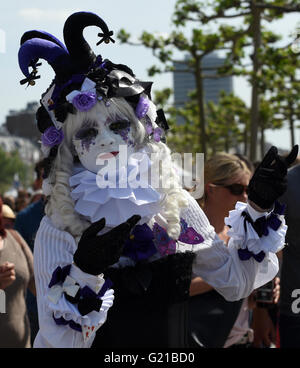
<point x="254" y="231"/>
<point x="88" y="308"/>
<point x="85" y="279"/>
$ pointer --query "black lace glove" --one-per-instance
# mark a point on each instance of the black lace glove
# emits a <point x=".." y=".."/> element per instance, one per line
<point x="97" y="252"/>
<point x="269" y="181"/>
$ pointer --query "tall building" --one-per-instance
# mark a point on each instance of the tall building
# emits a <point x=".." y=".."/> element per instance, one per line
<point x="20" y="133"/>
<point x="184" y="82"/>
<point x="22" y="123"/>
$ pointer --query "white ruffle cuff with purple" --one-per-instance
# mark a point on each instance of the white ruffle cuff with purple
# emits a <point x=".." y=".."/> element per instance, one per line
<point x="254" y="233"/>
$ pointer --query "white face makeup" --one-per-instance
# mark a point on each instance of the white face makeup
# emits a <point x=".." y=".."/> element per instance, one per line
<point x="101" y="138"/>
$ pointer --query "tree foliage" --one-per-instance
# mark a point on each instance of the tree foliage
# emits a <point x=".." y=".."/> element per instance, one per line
<point x="11" y="164"/>
<point x="247" y="47"/>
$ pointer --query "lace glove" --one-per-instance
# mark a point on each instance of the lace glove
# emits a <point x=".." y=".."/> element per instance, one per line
<point x="97" y="252"/>
<point x="269" y="181"/>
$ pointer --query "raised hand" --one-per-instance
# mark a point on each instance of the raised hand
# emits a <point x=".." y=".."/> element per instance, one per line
<point x="7" y="274"/>
<point x="269" y="182"/>
<point x="97" y="252"/>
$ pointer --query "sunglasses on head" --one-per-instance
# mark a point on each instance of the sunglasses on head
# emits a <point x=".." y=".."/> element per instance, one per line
<point x="237" y="189"/>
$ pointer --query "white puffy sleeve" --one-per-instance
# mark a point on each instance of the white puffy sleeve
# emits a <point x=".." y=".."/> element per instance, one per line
<point x="61" y="324"/>
<point x="222" y="266"/>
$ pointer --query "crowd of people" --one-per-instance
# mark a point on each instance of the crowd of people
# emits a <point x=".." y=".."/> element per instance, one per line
<point x="121" y="262"/>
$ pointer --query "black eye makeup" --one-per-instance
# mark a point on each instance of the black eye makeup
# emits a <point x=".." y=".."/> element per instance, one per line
<point x="87" y="131"/>
<point x="119" y="125"/>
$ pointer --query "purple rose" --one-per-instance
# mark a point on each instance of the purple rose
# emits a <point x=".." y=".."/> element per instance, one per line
<point x="157" y="134"/>
<point x="52" y="137"/>
<point x="149" y="128"/>
<point x="142" y="107"/>
<point x="84" y="101"/>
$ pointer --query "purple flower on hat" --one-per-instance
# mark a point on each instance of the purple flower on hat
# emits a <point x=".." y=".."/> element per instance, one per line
<point x="149" y="128"/>
<point x="84" y="101"/>
<point x="157" y="134"/>
<point x="142" y="107"/>
<point x="52" y="137"/>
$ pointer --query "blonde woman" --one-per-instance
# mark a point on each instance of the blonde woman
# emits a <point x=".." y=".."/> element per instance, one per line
<point x="226" y="179"/>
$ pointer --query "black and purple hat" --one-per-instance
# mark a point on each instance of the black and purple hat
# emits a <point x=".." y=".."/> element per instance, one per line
<point x="81" y="77"/>
<point x="76" y="68"/>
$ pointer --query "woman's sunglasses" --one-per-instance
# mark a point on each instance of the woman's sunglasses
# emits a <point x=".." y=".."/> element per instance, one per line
<point x="235" y="189"/>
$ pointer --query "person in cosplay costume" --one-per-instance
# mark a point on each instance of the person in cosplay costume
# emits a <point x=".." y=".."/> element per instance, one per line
<point x="113" y="264"/>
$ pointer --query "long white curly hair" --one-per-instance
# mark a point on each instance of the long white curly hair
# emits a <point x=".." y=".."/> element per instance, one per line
<point x="60" y="205"/>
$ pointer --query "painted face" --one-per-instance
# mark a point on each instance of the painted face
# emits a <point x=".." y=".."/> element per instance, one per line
<point x="100" y="137"/>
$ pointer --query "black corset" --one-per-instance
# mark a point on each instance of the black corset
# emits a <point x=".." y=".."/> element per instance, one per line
<point x="150" y="306"/>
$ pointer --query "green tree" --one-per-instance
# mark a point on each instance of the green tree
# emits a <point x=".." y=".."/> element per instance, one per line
<point x="227" y="125"/>
<point x="252" y="12"/>
<point x="197" y="47"/>
<point x="281" y="85"/>
<point x="11" y="164"/>
<point x="233" y="39"/>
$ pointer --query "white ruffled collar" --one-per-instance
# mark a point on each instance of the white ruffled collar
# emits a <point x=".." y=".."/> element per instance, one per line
<point x="119" y="203"/>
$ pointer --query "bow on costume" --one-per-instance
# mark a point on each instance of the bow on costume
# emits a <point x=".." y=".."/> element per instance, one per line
<point x="245" y="254"/>
<point x="261" y="226"/>
<point x="61" y="283"/>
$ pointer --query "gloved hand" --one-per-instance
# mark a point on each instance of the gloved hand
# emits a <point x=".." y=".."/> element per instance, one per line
<point x="269" y="181"/>
<point x="95" y="253"/>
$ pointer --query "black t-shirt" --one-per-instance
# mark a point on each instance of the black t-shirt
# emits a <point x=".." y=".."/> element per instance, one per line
<point x="290" y="272"/>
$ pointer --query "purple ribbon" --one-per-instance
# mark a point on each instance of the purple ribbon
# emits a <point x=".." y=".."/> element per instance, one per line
<point x="76" y="78"/>
<point x="245" y="254"/>
<point x="142" y="107"/>
<point x="87" y="292"/>
<point x="90" y="300"/>
<point x="262" y="224"/>
<point x="59" y="275"/>
<point x="140" y="245"/>
<point x="63" y="322"/>
<point x="98" y="62"/>
<point x="107" y="285"/>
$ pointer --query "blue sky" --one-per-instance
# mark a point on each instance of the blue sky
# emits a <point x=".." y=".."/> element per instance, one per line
<point x="16" y="17"/>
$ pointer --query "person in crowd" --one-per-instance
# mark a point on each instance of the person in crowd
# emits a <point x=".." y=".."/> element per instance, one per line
<point x="289" y="306"/>
<point x="16" y="276"/>
<point x="224" y="324"/>
<point x="115" y="253"/>
<point x="38" y="182"/>
<point x="36" y="196"/>
<point x="27" y="223"/>
<point x="8" y="217"/>
<point x="22" y="200"/>
<point x="10" y="201"/>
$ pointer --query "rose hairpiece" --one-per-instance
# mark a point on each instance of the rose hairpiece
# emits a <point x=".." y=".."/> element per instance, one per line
<point x="86" y="98"/>
<point x="52" y="137"/>
<point x="142" y="107"/>
<point x="157" y="132"/>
